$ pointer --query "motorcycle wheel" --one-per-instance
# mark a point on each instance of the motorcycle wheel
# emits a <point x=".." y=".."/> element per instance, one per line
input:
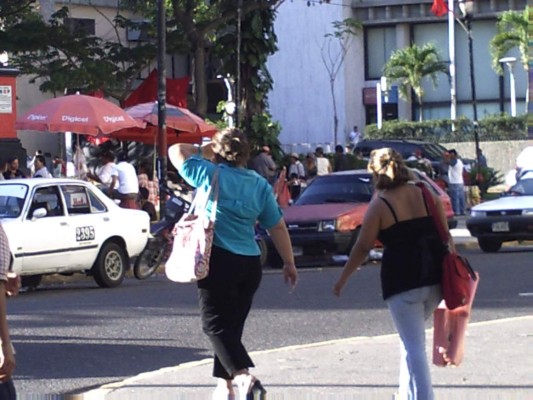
<point x="149" y="260"/>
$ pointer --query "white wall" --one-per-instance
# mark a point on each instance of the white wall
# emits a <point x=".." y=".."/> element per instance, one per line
<point x="301" y="98"/>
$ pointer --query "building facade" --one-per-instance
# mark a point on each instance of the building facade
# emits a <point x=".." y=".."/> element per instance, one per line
<point x="301" y="97"/>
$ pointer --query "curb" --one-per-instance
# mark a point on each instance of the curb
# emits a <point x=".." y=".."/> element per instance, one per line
<point x="102" y="391"/>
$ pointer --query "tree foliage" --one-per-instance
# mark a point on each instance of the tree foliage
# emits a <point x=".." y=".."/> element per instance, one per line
<point x="59" y="58"/>
<point x="410" y="65"/>
<point x="512" y="32"/>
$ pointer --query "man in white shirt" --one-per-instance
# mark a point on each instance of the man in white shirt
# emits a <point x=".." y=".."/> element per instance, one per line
<point x="456" y="184"/>
<point x="524" y="162"/>
<point x="40" y="168"/>
<point x="124" y="179"/>
<point x="323" y="166"/>
<point x="354" y="137"/>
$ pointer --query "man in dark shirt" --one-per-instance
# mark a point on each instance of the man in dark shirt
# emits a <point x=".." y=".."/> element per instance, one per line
<point x="340" y="162"/>
<point x="264" y="165"/>
<point x="13" y="170"/>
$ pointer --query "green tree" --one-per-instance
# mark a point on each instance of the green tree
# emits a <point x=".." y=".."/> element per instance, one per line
<point x="10" y="8"/>
<point x="257" y="44"/>
<point x="201" y="21"/>
<point x="410" y="65"/>
<point x="60" y="58"/>
<point x="512" y="32"/>
<point x="333" y="52"/>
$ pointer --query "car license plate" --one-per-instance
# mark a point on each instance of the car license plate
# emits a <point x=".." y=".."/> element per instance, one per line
<point x="500" y="226"/>
<point x="297" y="251"/>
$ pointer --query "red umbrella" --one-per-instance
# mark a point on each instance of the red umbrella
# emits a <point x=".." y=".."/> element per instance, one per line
<point x="148" y="135"/>
<point x="178" y="118"/>
<point x="78" y="114"/>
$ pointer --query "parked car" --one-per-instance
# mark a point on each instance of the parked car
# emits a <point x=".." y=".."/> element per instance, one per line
<point x="406" y="147"/>
<point x="67" y="226"/>
<point x="326" y="219"/>
<point x="505" y="219"/>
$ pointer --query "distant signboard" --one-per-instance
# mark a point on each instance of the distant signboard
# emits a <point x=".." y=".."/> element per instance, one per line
<point x="6" y="100"/>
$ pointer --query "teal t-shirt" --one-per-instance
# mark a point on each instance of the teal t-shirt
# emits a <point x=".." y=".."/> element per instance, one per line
<point x="244" y="198"/>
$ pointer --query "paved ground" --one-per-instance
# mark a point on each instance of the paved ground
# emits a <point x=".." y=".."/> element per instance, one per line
<point x="496" y="366"/>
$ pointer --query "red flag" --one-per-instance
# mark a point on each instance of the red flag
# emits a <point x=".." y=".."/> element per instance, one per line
<point x="147" y="91"/>
<point x="439" y="8"/>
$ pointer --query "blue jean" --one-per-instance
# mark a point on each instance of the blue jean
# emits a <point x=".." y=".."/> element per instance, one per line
<point x="409" y="311"/>
<point x="457" y="196"/>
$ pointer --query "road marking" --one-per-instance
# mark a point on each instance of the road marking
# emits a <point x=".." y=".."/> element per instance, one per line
<point x="526" y="294"/>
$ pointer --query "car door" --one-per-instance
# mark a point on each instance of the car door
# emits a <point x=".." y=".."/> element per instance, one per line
<point x="89" y="223"/>
<point x="46" y="239"/>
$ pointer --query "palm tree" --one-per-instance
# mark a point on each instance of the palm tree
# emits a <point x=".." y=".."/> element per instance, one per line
<point x="512" y="31"/>
<point x="410" y="65"/>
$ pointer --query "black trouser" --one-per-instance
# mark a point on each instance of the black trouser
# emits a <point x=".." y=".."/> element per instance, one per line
<point x="7" y="390"/>
<point x="225" y="299"/>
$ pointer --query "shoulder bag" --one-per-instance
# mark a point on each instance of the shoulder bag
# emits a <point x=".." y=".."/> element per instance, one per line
<point x="193" y="238"/>
<point x="457" y="273"/>
<point x="459" y="284"/>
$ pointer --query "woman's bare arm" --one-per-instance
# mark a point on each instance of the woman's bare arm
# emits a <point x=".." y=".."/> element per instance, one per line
<point x="282" y="242"/>
<point x="365" y="242"/>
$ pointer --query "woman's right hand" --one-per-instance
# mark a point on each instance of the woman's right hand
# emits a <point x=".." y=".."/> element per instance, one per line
<point x="290" y="274"/>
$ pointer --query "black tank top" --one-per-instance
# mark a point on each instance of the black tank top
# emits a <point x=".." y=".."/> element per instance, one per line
<point x="412" y="256"/>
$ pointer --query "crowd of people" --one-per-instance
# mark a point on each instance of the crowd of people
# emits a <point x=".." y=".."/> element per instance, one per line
<point x="291" y="179"/>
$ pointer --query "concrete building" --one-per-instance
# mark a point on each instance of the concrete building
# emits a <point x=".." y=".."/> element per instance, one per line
<point x="301" y="99"/>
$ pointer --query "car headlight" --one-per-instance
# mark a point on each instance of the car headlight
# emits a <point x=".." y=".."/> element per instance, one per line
<point x="328" y="225"/>
<point x="475" y="213"/>
<point x="527" y="211"/>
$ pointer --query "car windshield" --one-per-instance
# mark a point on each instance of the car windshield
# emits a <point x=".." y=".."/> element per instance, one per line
<point x="350" y="188"/>
<point x="523" y="187"/>
<point x="433" y="151"/>
<point x="12" y="197"/>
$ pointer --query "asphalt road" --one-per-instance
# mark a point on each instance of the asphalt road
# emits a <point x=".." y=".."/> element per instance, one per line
<point x="73" y="336"/>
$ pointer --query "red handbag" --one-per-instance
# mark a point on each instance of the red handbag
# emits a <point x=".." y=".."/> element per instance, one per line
<point x="449" y="332"/>
<point x="457" y="274"/>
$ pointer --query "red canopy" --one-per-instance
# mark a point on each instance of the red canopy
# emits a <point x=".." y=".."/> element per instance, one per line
<point x="183" y="126"/>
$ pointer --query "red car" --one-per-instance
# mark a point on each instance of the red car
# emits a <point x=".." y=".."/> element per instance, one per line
<point x="325" y="220"/>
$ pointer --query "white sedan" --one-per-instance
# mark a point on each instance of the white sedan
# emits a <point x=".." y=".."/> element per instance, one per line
<point x="66" y="226"/>
<point x="506" y="219"/>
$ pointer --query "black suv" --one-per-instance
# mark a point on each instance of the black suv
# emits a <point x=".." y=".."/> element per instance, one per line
<point x="406" y="147"/>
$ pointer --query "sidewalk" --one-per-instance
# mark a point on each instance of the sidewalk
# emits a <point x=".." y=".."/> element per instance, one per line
<point x="497" y="365"/>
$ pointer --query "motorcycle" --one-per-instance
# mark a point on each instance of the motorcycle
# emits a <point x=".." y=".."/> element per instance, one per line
<point x="160" y="242"/>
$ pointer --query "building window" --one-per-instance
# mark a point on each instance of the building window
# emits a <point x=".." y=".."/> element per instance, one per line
<point x="379" y="45"/>
<point x="80" y="25"/>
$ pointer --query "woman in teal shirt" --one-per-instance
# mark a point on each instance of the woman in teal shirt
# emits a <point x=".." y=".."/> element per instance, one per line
<point x="226" y="294"/>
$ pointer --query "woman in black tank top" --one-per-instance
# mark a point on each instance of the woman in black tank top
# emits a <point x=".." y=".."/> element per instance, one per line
<point x="411" y="264"/>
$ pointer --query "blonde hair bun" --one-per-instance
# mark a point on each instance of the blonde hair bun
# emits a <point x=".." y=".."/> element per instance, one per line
<point x="388" y="168"/>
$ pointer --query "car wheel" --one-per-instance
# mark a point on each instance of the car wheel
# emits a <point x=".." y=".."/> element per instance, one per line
<point x="353" y="240"/>
<point x="489" y="246"/>
<point x="110" y="266"/>
<point x="30" y="281"/>
<point x="274" y="259"/>
<point x="264" y="251"/>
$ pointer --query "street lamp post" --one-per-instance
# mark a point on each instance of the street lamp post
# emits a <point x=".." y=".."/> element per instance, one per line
<point x="381" y="90"/>
<point x="162" y="101"/>
<point x="467" y="10"/>
<point x="510" y="61"/>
